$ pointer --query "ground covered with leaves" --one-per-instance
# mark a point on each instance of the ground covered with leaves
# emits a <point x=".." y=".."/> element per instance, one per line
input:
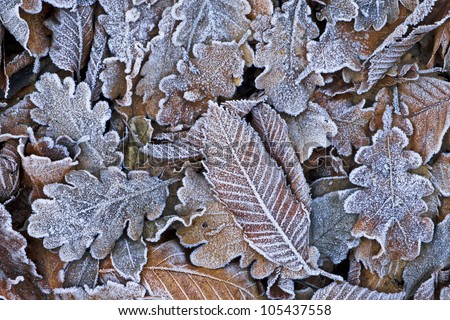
<point x="224" y="149"/>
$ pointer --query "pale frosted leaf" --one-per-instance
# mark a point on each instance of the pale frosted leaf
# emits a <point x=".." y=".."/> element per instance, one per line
<point x="98" y="211"/>
<point x="162" y="61"/>
<point x="311" y="129"/>
<point x="82" y="272"/>
<point x="210" y="20"/>
<point x="66" y="111"/>
<point x="390" y="205"/>
<point x="73" y="31"/>
<point x="95" y="64"/>
<point x="445" y="293"/>
<point x="109" y="291"/>
<point x="286" y="79"/>
<point x="9" y="171"/>
<point x="377" y="13"/>
<point x="274" y="132"/>
<point x="200" y="80"/>
<point x="129" y="257"/>
<point x="113" y="80"/>
<point x="345" y="291"/>
<point x="68" y="4"/>
<point x="331" y="226"/>
<point x="140" y="132"/>
<point x="337" y="10"/>
<point x="426" y="291"/>
<point x="10" y="18"/>
<point x="214" y="232"/>
<point x="242" y="107"/>
<point x="434" y="256"/>
<point x="440" y="171"/>
<point x="169" y="275"/>
<point x="251" y="185"/>
<point x="127" y="24"/>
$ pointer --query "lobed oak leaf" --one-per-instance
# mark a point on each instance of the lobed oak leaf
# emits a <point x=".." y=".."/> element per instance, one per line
<point x="346" y="291"/>
<point x="337" y="10"/>
<point x="215" y="70"/>
<point x="251" y="185"/>
<point x="9" y="171"/>
<point x="209" y="20"/>
<point x="169" y="275"/>
<point x="129" y="257"/>
<point x="66" y="110"/>
<point x="82" y="272"/>
<point x="109" y="291"/>
<point x="98" y="211"/>
<point x="287" y="80"/>
<point x="390" y="205"/>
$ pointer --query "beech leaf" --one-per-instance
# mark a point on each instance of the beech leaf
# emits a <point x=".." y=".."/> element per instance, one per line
<point x="346" y="291"/>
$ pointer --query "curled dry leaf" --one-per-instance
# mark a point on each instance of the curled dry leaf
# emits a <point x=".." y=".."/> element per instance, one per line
<point x="345" y="291"/>
<point x="251" y="185"/>
<point x="98" y="211"/>
<point x="169" y="275"/>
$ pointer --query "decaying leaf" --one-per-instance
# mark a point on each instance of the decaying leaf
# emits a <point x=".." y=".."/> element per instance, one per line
<point x="98" y="211"/>
<point x="390" y="205"/>
<point x="248" y="181"/>
<point x="168" y="275"/>
<point x="73" y="32"/>
<point x="345" y="291"/>
<point x="283" y="55"/>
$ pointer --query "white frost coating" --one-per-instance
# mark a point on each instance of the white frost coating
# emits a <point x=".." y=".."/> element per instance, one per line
<point x="346" y="291"/>
<point x="129" y="257"/>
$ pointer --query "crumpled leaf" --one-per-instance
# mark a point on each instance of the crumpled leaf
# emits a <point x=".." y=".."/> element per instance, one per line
<point x="282" y="52"/>
<point x="10" y="18"/>
<point x="331" y="226"/>
<point x="213" y="231"/>
<point x="390" y="205"/>
<point x="98" y="211"/>
<point x="311" y="129"/>
<point x="9" y="171"/>
<point x="345" y="291"/>
<point x="252" y="187"/>
<point x="82" y="272"/>
<point x="169" y="275"/>
<point x="200" y="80"/>
<point x="337" y="10"/>
<point x="210" y="20"/>
<point x="66" y="111"/>
<point x="377" y="13"/>
<point x="73" y="31"/>
<point x="109" y="291"/>
<point x="128" y="257"/>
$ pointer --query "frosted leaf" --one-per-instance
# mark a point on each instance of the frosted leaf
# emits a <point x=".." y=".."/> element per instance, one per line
<point x="127" y="25"/>
<point x="254" y="189"/>
<point x="200" y="80"/>
<point x="345" y="291"/>
<point x="440" y="171"/>
<point x="16" y="119"/>
<point x="66" y="111"/>
<point x="434" y="256"/>
<point x="95" y="64"/>
<point x="260" y="7"/>
<point x="282" y="52"/>
<point x="390" y="205"/>
<point x="113" y="80"/>
<point x="445" y="293"/>
<point x="98" y="211"/>
<point x="214" y="232"/>
<point x="169" y="275"/>
<point x="441" y="43"/>
<point x="67" y="4"/>
<point x="242" y="108"/>
<point x="162" y="61"/>
<point x="332" y="53"/>
<point x="82" y="272"/>
<point x="73" y="32"/>
<point x="38" y="40"/>
<point x="391" y="50"/>
<point x="427" y="290"/>
<point x="41" y="170"/>
<point x="9" y="171"/>
<point x="14" y="263"/>
<point x="337" y="10"/>
<point x="140" y="132"/>
<point x="311" y="129"/>
<point x="331" y="226"/>
<point x="377" y="13"/>
<point x="109" y="291"/>
<point x="210" y="20"/>
<point x="274" y="132"/>
<point x="352" y="123"/>
<point x="10" y="18"/>
<point x="128" y="257"/>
